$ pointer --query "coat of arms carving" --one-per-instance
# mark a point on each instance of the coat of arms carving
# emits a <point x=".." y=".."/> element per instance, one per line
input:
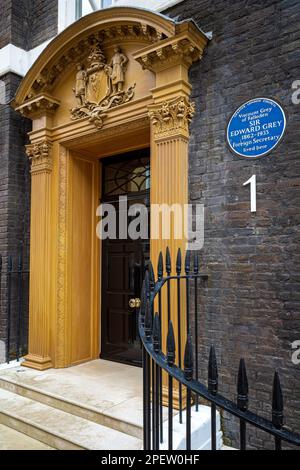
<point x="100" y="85"/>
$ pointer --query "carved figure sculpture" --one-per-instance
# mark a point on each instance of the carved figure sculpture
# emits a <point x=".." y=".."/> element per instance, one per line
<point x="118" y="65"/>
<point x="80" y="86"/>
<point x="100" y="86"/>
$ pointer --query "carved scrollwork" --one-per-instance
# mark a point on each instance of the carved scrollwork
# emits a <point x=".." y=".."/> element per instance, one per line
<point x="100" y="86"/>
<point x="61" y="260"/>
<point x="172" y="117"/>
<point x="40" y="156"/>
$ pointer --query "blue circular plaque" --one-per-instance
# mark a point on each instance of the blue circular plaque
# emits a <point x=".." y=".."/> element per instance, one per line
<point x="256" y="128"/>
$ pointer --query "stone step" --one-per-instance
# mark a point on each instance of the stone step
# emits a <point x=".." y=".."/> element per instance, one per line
<point x="107" y="418"/>
<point x="14" y="440"/>
<point x="59" y="429"/>
<point x="200" y="430"/>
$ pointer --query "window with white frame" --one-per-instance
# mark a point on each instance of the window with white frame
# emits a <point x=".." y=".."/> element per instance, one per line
<point x="155" y="5"/>
<point x="72" y="10"/>
<point x="84" y="7"/>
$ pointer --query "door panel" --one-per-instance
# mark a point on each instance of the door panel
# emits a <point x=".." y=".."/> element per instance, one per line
<point x="82" y="236"/>
<point x="123" y="263"/>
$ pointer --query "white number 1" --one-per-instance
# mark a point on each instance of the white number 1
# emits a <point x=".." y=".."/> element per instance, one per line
<point x="252" y="182"/>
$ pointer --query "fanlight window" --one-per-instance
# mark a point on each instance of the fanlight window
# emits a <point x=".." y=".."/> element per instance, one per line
<point x="126" y="176"/>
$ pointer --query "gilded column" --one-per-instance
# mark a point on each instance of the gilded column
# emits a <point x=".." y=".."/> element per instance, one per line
<point x="170" y="115"/>
<point x="40" y="155"/>
<point x="169" y="186"/>
<point x="169" y="167"/>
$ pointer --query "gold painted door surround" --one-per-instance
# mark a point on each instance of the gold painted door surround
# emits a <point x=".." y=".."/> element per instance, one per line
<point x="115" y="81"/>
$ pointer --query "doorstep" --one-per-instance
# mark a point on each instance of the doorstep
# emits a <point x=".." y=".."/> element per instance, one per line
<point x="96" y="405"/>
<point x="14" y="440"/>
<point x="59" y="429"/>
<point x="103" y="392"/>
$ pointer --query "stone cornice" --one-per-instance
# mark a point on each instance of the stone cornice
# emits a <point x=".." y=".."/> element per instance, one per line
<point x="16" y="60"/>
<point x="40" y="105"/>
<point x="40" y="156"/>
<point x="184" y="48"/>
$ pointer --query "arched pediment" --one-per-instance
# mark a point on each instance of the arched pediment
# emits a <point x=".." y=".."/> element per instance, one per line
<point x="106" y="26"/>
<point x="79" y="71"/>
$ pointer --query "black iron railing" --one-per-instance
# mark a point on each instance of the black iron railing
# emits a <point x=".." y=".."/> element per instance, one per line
<point x="14" y="286"/>
<point x="175" y="297"/>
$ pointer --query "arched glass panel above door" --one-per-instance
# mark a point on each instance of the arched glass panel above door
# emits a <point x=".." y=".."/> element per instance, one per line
<point x="126" y="174"/>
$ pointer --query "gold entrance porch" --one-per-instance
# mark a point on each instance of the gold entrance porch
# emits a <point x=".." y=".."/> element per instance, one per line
<point x="113" y="82"/>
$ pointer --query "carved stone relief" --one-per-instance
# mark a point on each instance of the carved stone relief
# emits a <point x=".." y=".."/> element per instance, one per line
<point x="40" y="155"/>
<point x="99" y="86"/>
<point x="172" y="116"/>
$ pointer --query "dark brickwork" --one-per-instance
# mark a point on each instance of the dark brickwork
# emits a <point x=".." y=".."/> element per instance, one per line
<point x="27" y="23"/>
<point x="5" y="23"/>
<point x="252" y="304"/>
<point x="44" y="21"/>
<point x="14" y="196"/>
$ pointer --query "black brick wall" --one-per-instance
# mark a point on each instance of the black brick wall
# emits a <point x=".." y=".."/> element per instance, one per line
<point x="14" y="197"/>
<point x="252" y="304"/>
<point x="44" y="21"/>
<point x="5" y="22"/>
<point x="27" y="23"/>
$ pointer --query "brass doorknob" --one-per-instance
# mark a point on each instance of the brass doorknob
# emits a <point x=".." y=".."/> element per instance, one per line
<point x="135" y="303"/>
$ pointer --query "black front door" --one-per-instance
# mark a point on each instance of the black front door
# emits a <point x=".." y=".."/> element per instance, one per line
<point x="123" y="260"/>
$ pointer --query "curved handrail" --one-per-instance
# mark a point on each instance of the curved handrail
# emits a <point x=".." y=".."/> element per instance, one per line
<point x="150" y="333"/>
<point x="222" y="402"/>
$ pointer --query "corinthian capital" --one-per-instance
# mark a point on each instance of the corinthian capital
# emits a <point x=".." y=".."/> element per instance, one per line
<point x="172" y="117"/>
<point x="40" y="155"/>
